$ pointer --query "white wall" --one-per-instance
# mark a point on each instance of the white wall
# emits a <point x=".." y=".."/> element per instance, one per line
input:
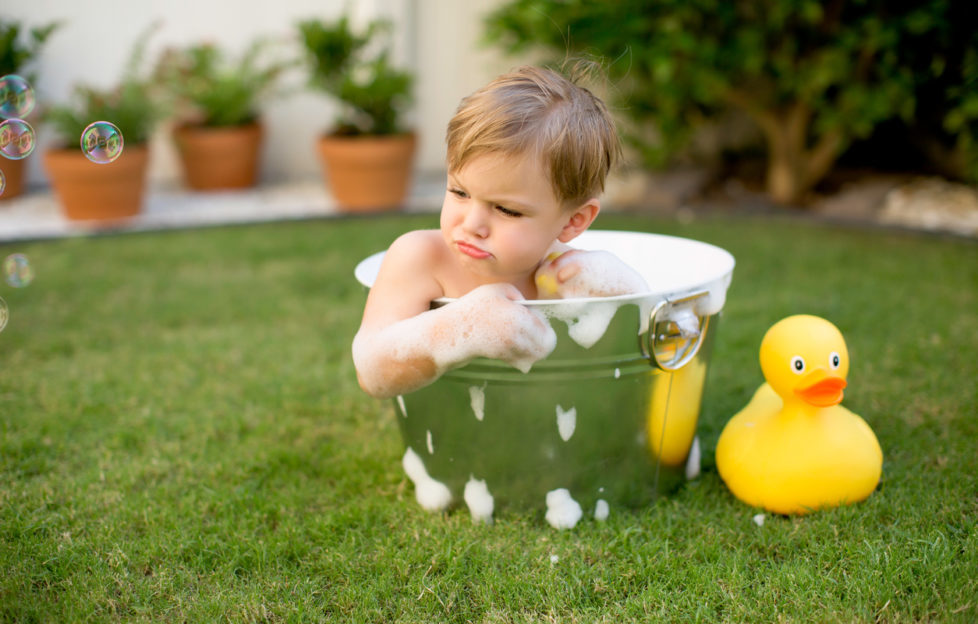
<point x="451" y="64"/>
<point x="436" y="38"/>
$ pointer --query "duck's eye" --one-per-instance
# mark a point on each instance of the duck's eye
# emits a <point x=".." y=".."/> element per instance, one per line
<point x="798" y="364"/>
<point x="834" y="360"/>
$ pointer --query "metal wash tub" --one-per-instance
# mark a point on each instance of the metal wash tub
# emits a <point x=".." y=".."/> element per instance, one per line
<point x="612" y="422"/>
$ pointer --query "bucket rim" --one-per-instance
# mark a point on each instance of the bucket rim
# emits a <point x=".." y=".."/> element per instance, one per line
<point x="590" y="240"/>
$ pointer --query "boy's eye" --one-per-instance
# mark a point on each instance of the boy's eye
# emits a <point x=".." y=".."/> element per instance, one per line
<point x="458" y="192"/>
<point x="509" y="213"/>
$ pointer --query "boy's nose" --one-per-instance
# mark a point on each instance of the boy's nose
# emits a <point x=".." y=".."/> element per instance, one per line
<point x="475" y="222"/>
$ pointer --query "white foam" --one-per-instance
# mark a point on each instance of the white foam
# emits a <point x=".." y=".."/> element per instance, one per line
<point x="400" y="403"/>
<point x="600" y="273"/>
<point x="693" y="460"/>
<point x="586" y="322"/>
<point x="566" y="422"/>
<point x="669" y="264"/>
<point x="489" y="324"/>
<point x="431" y="445"/>
<point x="477" y="399"/>
<point x="563" y="512"/>
<point x="759" y="519"/>
<point x="431" y="494"/>
<point x="479" y="500"/>
<point x="617" y="373"/>
<point x="687" y="322"/>
<point x="601" y="510"/>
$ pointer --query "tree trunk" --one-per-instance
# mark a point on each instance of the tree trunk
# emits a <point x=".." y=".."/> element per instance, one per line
<point x="792" y="167"/>
<point x="784" y="182"/>
<point x="786" y="131"/>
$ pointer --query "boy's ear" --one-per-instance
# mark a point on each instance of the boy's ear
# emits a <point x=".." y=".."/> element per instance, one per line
<point x="580" y="220"/>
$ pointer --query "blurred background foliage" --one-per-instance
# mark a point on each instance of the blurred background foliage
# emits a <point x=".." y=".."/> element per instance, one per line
<point x="814" y="78"/>
<point x="19" y="47"/>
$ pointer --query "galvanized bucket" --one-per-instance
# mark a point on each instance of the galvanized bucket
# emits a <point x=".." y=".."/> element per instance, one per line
<point x="612" y="422"/>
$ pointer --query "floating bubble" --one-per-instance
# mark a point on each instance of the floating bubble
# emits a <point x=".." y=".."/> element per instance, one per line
<point x="3" y="314"/>
<point x="17" y="270"/>
<point x="3" y="182"/>
<point x="102" y="142"/>
<point x="16" y="139"/>
<point x="16" y="97"/>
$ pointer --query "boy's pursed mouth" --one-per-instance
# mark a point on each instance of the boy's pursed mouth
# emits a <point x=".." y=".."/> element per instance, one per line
<point x="471" y="250"/>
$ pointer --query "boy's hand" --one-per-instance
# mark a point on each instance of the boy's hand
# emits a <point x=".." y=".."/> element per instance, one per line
<point x="579" y="273"/>
<point x="493" y="324"/>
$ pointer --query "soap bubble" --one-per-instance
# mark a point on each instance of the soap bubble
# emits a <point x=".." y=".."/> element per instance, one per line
<point x="3" y="182"/>
<point x="16" y="97"/>
<point x="17" y="270"/>
<point x="3" y="314"/>
<point x="16" y="139"/>
<point x="102" y="142"/>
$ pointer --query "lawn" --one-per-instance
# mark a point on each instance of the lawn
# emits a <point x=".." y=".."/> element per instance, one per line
<point x="182" y="439"/>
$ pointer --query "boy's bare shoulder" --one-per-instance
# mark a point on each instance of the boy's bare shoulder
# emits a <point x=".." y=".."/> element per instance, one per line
<point x="407" y="281"/>
<point x="418" y="248"/>
<point x="418" y="241"/>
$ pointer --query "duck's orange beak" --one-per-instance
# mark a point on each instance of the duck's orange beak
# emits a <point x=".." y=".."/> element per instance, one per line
<point x="821" y="389"/>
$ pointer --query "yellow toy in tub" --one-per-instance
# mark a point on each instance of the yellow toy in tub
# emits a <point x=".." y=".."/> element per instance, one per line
<point x="674" y="410"/>
<point x="794" y="448"/>
<point x="547" y="284"/>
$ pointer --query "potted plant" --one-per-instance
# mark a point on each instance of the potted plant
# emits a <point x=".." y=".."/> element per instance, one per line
<point x="15" y="57"/>
<point x="89" y="190"/>
<point x="367" y="157"/>
<point x="219" y="133"/>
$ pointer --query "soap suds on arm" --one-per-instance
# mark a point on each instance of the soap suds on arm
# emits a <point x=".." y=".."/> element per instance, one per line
<point x="487" y="322"/>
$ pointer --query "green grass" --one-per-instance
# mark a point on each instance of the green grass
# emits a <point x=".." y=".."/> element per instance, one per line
<point x="182" y="440"/>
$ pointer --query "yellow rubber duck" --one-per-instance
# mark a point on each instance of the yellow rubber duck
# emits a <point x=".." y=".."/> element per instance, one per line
<point x="794" y="449"/>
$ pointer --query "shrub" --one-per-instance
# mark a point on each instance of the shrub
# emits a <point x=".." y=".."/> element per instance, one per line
<point x="345" y="65"/>
<point x="812" y="75"/>
<point x="210" y="89"/>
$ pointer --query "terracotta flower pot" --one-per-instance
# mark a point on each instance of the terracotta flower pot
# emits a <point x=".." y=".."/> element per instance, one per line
<point x="13" y="174"/>
<point x="368" y="173"/>
<point x="90" y="191"/>
<point x="219" y="158"/>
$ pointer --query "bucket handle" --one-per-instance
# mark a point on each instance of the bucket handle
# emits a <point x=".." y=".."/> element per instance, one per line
<point x="680" y="340"/>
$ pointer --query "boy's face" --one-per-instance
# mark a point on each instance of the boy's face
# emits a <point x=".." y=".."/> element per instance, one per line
<point x="500" y="216"/>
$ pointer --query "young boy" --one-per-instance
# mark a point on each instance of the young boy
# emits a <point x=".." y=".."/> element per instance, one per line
<point x="527" y="159"/>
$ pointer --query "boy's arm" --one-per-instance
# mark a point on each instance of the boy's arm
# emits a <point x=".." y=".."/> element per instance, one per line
<point x="579" y="273"/>
<point x="402" y="345"/>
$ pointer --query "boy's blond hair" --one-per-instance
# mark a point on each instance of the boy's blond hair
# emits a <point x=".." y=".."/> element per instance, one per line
<point x="533" y="110"/>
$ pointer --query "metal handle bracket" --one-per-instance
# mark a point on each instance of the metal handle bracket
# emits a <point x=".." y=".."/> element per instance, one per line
<point x="675" y="332"/>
